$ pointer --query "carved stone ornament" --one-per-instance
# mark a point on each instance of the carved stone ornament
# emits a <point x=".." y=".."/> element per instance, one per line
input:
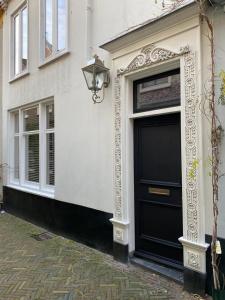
<point x="192" y="194"/>
<point x="193" y="260"/>
<point x="118" y="175"/>
<point x="151" y="55"/>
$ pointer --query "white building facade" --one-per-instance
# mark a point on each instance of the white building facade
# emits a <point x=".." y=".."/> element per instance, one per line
<point x="128" y="176"/>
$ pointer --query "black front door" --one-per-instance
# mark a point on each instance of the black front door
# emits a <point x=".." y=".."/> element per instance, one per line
<point x="158" y="189"/>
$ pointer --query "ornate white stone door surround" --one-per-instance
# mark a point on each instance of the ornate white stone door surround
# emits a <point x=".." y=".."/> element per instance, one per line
<point x="193" y="239"/>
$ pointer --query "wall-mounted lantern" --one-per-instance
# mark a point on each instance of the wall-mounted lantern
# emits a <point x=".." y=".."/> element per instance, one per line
<point x="97" y="77"/>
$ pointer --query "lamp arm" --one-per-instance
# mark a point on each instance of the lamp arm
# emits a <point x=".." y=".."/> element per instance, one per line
<point x="96" y="98"/>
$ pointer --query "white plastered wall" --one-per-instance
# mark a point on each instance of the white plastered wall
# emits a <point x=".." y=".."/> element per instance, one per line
<point x="218" y="17"/>
<point x="83" y="131"/>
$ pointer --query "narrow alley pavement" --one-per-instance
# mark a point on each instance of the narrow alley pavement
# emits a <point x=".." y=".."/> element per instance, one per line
<point x="62" y="269"/>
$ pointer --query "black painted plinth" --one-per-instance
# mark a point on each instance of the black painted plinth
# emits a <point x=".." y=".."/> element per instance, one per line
<point x="120" y="252"/>
<point x="194" y="282"/>
<point x="89" y="226"/>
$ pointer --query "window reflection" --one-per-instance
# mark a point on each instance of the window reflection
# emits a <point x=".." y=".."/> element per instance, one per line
<point x="24" y="38"/>
<point x="48" y="27"/>
<point x="17" y="44"/>
<point x="157" y="91"/>
<point x="61" y="24"/>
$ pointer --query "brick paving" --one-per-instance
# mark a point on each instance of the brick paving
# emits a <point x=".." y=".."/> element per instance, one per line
<point x="61" y="269"/>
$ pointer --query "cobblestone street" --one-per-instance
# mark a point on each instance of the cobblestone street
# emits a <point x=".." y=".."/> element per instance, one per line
<point x="62" y="269"/>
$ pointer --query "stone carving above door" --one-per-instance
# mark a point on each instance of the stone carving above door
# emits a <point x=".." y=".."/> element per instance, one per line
<point x="151" y="55"/>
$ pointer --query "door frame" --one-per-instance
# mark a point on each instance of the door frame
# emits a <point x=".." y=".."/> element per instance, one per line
<point x="149" y="61"/>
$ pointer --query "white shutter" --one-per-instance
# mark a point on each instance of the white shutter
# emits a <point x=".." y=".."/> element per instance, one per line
<point x="31" y="132"/>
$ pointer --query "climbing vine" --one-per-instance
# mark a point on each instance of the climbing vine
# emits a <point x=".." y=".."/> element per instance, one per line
<point x="215" y="136"/>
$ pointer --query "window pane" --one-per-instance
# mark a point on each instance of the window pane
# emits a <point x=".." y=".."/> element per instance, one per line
<point x="50" y="158"/>
<point x="17" y="45"/>
<point x="16" y="122"/>
<point x="61" y="24"/>
<point x="50" y="122"/>
<point x="24" y="38"/>
<point x="31" y="119"/>
<point x="48" y="27"/>
<point x="157" y="91"/>
<point x="16" y="157"/>
<point x="32" y="157"/>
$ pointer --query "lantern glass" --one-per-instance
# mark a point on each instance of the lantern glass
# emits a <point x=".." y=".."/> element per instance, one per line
<point x="99" y="80"/>
<point x="89" y="79"/>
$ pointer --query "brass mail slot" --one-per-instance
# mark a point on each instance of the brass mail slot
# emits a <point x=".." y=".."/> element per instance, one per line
<point x="158" y="191"/>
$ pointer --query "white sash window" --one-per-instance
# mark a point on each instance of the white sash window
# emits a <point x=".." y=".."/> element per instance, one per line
<point x="19" y="49"/>
<point x="53" y="29"/>
<point x="32" y="161"/>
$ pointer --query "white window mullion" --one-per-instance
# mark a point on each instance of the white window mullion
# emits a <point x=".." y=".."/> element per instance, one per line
<point x="11" y="152"/>
<point x="42" y="122"/>
<point x="22" y="149"/>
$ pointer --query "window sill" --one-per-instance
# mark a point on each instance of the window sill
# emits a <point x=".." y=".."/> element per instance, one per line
<point x="47" y="194"/>
<point x="53" y="58"/>
<point x="24" y="74"/>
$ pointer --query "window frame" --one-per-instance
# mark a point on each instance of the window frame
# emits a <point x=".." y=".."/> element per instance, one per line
<point x="55" y="52"/>
<point x="40" y="187"/>
<point x="18" y="12"/>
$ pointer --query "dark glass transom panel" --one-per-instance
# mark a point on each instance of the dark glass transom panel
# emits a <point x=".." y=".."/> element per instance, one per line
<point x="158" y="91"/>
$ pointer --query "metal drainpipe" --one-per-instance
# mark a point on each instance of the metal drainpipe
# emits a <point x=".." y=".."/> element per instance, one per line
<point x="89" y="25"/>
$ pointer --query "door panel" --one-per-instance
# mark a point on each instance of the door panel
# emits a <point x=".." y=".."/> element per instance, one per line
<point x="158" y="188"/>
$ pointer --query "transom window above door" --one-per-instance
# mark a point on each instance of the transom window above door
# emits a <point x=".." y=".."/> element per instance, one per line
<point x="19" y="49"/>
<point x="54" y="29"/>
<point x="158" y="91"/>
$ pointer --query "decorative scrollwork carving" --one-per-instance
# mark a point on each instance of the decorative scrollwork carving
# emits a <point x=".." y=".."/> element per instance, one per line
<point x="118" y="175"/>
<point x="193" y="260"/>
<point x="150" y="55"/>
<point x="192" y="193"/>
